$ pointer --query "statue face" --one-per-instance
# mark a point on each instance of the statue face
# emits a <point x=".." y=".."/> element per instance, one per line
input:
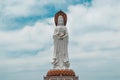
<point x="60" y="21"/>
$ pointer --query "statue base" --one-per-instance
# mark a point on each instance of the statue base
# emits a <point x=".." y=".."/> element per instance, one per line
<point x="61" y="74"/>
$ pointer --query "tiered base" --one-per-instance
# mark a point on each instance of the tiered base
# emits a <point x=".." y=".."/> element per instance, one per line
<point x="61" y="74"/>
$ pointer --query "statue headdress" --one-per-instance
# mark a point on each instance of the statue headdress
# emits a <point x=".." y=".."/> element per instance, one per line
<point x="60" y="13"/>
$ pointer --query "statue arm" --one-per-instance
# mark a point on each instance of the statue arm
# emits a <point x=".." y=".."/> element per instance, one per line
<point x="66" y="34"/>
<point x="55" y="32"/>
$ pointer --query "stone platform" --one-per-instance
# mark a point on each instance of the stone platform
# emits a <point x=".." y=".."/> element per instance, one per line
<point x="61" y="74"/>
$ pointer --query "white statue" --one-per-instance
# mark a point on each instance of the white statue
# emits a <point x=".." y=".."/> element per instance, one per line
<point x="60" y="36"/>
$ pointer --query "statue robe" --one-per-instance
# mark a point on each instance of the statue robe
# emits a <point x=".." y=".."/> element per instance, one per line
<point x="60" y="58"/>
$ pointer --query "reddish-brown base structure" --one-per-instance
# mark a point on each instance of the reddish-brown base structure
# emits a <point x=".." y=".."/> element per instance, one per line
<point x="61" y="74"/>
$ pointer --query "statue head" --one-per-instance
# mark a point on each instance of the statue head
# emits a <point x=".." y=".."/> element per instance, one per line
<point x="60" y="19"/>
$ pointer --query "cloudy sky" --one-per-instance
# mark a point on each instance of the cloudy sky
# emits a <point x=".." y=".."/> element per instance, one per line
<point x="26" y="44"/>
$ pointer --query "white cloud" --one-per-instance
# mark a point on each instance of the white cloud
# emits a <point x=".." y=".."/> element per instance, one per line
<point x="97" y="16"/>
<point x="30" y="37"/>
<point x="96" y="26"/>
<point x="27" y="8"/>
<point x="15" y="14"/>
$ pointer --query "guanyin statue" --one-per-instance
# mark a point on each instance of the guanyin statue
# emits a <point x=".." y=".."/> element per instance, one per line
<point x="60" y="36"/>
